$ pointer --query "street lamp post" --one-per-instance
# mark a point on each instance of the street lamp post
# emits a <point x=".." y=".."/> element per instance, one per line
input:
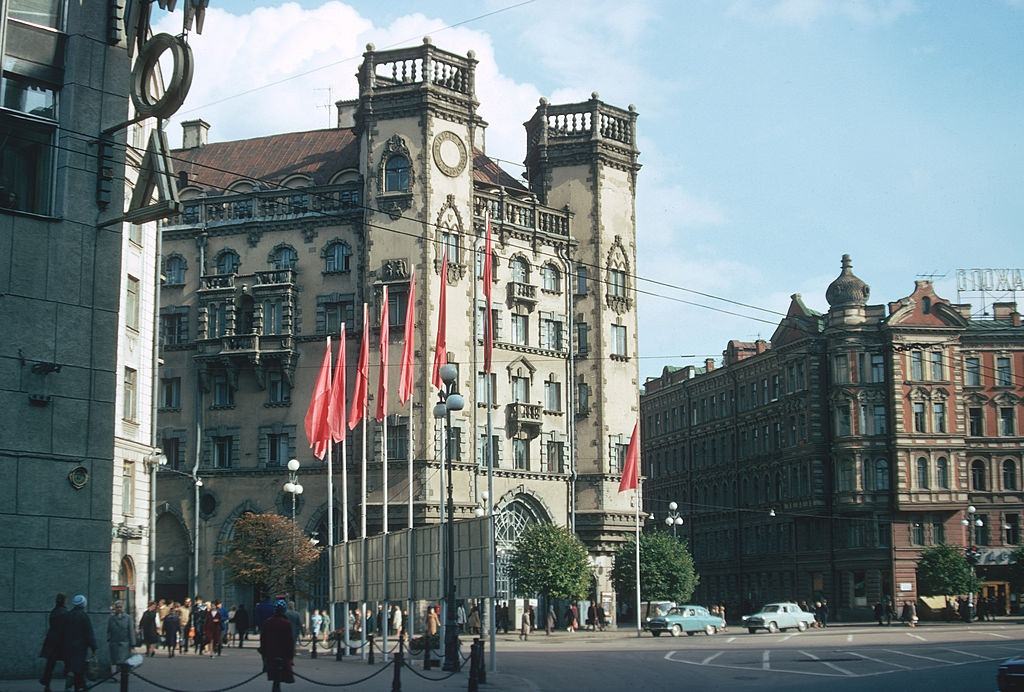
<point x="154" y="460"/>
<point x="674" y="519"/>
<point x="449" y="400"/>
<point x="973" y="524"/>
<point x="293" y="488"/>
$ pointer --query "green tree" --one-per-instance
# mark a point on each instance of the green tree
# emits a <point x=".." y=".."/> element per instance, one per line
<point x="666" y="569"/>
<point x="943" y="570"/>
<point x="550" y="560"/>
<point x="270" y="553"/>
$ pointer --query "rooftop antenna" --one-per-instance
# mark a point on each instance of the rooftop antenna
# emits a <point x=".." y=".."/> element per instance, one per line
<point x="931" y="276"/>
<point x="329" y="105"/>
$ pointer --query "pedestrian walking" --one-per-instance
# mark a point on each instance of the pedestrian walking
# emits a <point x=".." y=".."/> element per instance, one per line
<point x="315" y="623"/>
<point x="602" y="618"/>
<point x="79" y="639"/>
<point x="172" y="628"/>
<point x="551" y="621"/>
<point x="474" y="620"/>
<point x="120" y="635"/>
<point x="396" y="620"/>
<point x="185" y="614"/>
<point x="879" y="612"/>
<point x="460" y="617"/>
<point x="232" y="629"/>
<point x="277" y="646"/>
<point x="298" y="629"/>
<point x="506" y="618"/>
<point x="592" y="616"/>
<point x="432" y="623"/>
<point x="524" y="626"/>
<point x="147" y="624"/>
<point x="53" y="643"/>
<point x="325" y="627"/>
<point x="200" y="613"/>
<point x="242" y="624"/>
<point x="213" y="634"/>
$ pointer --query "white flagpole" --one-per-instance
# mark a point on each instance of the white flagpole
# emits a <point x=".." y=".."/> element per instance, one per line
<point x="362" y="519"/>
<point x="330" y="507"/>
<point x="639" y="629"/>
<point x="412" y="603"/>
<point x="384" y="491"/>
<point x="344" y="524"/>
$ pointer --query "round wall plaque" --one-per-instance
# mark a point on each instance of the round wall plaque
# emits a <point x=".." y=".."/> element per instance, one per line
<point x="78" y="477"/>
<point x="449" y="153"/>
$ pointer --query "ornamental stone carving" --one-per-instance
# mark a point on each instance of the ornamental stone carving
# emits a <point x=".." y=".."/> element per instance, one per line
<point x="394" y="270"/>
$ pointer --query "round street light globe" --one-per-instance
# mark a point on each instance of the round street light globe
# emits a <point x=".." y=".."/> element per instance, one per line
<point x="668" y="521"/>
<point x="479" y="511"/>
<point x="971" y="509"/>
<point x="448" y="372"/>
<point x="455" y="402"/>
<point x="679" y="521"/>
<point x="298" y="488"/>
<point x="293" y="465"/>
<point x="289" y="487"/>
<point x="979" y="522"/>
<point x="965" y="522"/>
<point x="673" y="506"/>
<point x="440" y="410"/>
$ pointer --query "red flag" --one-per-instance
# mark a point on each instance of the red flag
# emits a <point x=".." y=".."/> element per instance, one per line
<point x="631" y="474"/>
<point x="382" y="380"/>
<point x="488" y="281"/>
<point x="317" y="432"/>
<point x="405" y="376"/>
<point x="355" y="412"/>
<point x="441" y="345"/>
<point x="336" y="402"/>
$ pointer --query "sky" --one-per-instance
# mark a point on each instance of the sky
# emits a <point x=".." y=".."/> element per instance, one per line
<point x="775" y="135"/>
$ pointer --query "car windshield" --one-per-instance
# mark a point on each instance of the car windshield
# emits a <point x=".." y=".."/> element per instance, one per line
<point x="770" y="609"/>
<point x="677" y="611"/>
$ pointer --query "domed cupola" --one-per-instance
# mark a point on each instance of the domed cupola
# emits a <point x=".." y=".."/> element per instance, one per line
<point x="847" y="290"/>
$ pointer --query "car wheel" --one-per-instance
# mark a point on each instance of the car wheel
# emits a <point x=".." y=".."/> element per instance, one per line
<point x="772" y="627"/>
<point x="676" y="630"/>
<point x="802" y="626"/>
<point x="656" y="633"/>
<point x="752" y="630"/>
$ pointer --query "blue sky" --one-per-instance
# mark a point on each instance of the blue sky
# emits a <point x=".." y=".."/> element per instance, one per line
<point x="775" y="135"/>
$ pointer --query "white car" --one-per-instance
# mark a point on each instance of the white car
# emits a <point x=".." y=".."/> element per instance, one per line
<point x="778" y="616"/>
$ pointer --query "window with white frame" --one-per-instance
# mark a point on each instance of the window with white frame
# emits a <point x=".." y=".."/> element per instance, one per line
<point x="223" y="451"/>
<point x="127" y="487"/>
<point x="227" y="262"/>
<point x="337" y="258"/>
<point x="877" y="367"/>
<point x="131" y="303"/>
<point x="451" y="245"/>
<point x="278" y="449"/>
<point x="278" y="389"/>
<point x="216" y="320"/>
<point x="619" y="340"/>
<point x="131" y="393"/>
<point x="552" y="395"/>
<point x="972" y="371"/>
<point x="939" y="416"/>
<point x="975" y="421"/>
<point x="520" y="329"/>
<point x="1006" y="421"/>
<point x="554" y="459"/>
<point x="923" y="480"/>
<point x="919" y="417"/>
<point x="223" y="394"/>
<point x="397" y="176"/>
<point x="938" y="373"/>
<point x="551" y="278"/>
<point x="521" y="454"/>
<point x="916" y="365"/>
<point x="273" y="311"/>
<point x="617" y="283"/>
<point x="486" y="394"/>
<point x="520" y="389"/>
<point x="942" y="473"/>
<point x="173" y="325"/>
<point x="170" y="393"/>
<point x="551" y="331"/>
<point x="284" y="257"/>
<point x="1004" y="378"/>
<point x="520" y="270"/>
<point x="333" y="310"/>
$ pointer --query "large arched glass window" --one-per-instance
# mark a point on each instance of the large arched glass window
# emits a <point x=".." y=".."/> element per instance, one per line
<point x="978" y="475"/>
<point x="881" y="474"/>
<point x="337" y="257"/>
<point x="520" y="271"/>
<point x="396" y="174"/>
<point x="284" y="257"/>
<point x="1009" y="474"/>
<point x="922" y="473"/>
<point x="227" y="262"/>
<point x="942" y="473"/>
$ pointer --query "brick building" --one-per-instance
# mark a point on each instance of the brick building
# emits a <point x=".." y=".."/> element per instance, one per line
<point x="820" y="463"/>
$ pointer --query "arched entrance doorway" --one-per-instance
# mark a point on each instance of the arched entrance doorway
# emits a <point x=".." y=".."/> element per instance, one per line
<point x="124" y="590"/>
<point x="510" y="520"/>
<point x="173" y="558"/>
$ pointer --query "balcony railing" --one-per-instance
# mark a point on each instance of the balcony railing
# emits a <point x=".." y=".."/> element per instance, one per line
<point x="524" y="414"/>
<point x="522" y="292"/>
<point x="524" y="215"/>
<point x="245" y="344"/>
<point x="274" y="277"/>
<point x="271" y="205"/>
<point x="213" y="282"/>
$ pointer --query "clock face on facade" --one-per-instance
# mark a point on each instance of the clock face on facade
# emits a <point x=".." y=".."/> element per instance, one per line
<point x="449" y="153"/>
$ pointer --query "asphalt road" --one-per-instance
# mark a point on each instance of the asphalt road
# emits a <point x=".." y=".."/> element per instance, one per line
<point x="930" y="658"/>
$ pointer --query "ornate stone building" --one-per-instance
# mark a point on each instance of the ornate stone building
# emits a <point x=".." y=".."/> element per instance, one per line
<point x="284" y="238"/>
<point x="821" y="463"/>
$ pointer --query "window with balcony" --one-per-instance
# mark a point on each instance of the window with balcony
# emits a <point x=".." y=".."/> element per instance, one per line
<point x="278" y="389"/>
<point x="942" y="473"/>
<point x="520" y="270"/>
<point x="397" y="176"/>
<point x="978" y="475"/>
<point x="939" y="417"/>
<point x="972" y="372"/>
<point x="216" y="320"/>
<point x="923" y="480"/>
<point x="170" y="393"/>
<point x="552" y="396"/>
<point x="619" y="340"/>
<point x="520" y="329"/>
<point x="937" y="371"/>
<point x="976" y="421"/>
<point x="283" y="257"/>
<point x="1006" y="421"/>
<point x="919" y="417"/>
<point x="1009" y="474"/>
<point x="551" y="278"/>
<point x="916" y="365"/>
<point x="337" y="258"/>
<point x="1004" y="378"/>
<point x="130" y="410"/>
<point x="227" y="262"/>
<point x="521" y="390"/>
<point x="521" y="454"/>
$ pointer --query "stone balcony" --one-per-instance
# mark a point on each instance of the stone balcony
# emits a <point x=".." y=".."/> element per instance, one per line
<point x="525" y="294"/>
<point x="248" y="346"/>
<point x="521" y="215"/>
<point x="342" y="201"/>
<point x="524" y="418"/>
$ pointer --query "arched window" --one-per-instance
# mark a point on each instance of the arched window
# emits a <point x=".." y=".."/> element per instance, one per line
<point x="284" y="257"/>
<point x="881" y="474"/>
<point x="520" y="270"/>
<point x="922" y="473"/>
<point x="396" y="174"/>
<point x="227" y="262"/>
<point x="174" y="270"/>
<point x="551" y="277"/>
<point x="942" y="473"/>
<point x="1009" y="474"/>
<point x="337" y="257"/>
<point x="978" y="474"/>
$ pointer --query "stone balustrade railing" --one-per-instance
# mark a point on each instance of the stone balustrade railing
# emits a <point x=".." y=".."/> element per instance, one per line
<point x="268" y="206"/>
<point x="419" y="65"/>
<point x="521" y="214"/>
<point x="524" y="413"/>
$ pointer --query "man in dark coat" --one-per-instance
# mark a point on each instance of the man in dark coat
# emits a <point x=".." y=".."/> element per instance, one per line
<point x="277" y="646"/>
<point x="241" y="624"/>
<point x="53" y="645"/>
<point x="78" y="638"/>
<point x="199" y="615"/>
<point x="295" y="619"/>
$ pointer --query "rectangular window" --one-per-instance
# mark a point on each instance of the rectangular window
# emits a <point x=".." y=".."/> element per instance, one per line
<point x="223" y="449"/>
<point x="451" y="246"/>
<point x="520" y="329"/>
<point x="277" y="449"/>
<point x="1006" y="426"/>
<point x="877" y="367"/>
<point x="398" y="438"/>
<point x="1003" y="375"/>
<point x="618" y="340"/>
<point x="128" y="487"/>
<point x="842" y="420"/>
<point x="272" y="316"/>
<point x="841" y="369"/>
<point x="555" y="458"/>
<point x="616" y="283"/>
<point x="976" y="420"/>
<point x="862" y="367"/>
<point x="884" y="533"/>
<point x="456" y="444"/>
<point x="173" y="328"/>
<point x="131" y="303"/>
<point x="582" y="339"/>
<point x="878" y="420"/>
<point x="919" y="418"/>
<point x="130" y="412"/>
<point x="521" y="390"/>
<point x="278" y="389"/>
<point x="775" y="387"/>
<point x="135" y="233"/>
<point x="398" y="300"/>
<point x="552" y="396"/>
<point x="223" y="394"/>
<point x="939" y="417"/>
<point x="582" y="398"/>
<point x="938" y="531"/>
<point x="1012" y="529"/>
<point x="916" y="365"/>
<point x="482" y="450"/>
<point x="936" y="362"/>
<point x="582" y="275"/>
<point x="618" y="458"/>
<point x="917" y="533"/>
<point x="972" y="372"/>
<point x="521" y="454"/>
<point x="337" y="312"/>
<point x="26" y="158"/>
<point x="170" y="393"/>
<point x="981" y="533"/>
<point x="174" y="450"/>
<point x="216" y="320"/>
<point x="485" y="394"/>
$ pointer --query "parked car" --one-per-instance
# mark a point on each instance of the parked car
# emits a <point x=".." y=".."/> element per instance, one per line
<point x="778" y="616"/>
<point x="1010" y="677"/>
<point x="686" y="618"/>
<point x="653" y="609"/>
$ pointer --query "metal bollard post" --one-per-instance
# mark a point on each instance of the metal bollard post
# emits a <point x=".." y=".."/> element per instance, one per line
<point x="482" y="665"/>
<point x="125" y="668"/>
<point x="396" y="681"/>
<point x="369" y="643"/>
<point x="428" y="663"/>
<point x="473" y="682"/>
<point x="312" y="654"/>
<point x="339" y="641"/>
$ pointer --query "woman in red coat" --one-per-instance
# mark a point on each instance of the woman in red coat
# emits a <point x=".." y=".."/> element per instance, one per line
<point x="277" y="646"/>
<point x="213" y="630"/>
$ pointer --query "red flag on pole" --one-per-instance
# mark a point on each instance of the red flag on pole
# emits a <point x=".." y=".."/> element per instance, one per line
<point x="441" y="345"/>
<point x="336" y="402"/>
<point x="631" y="472"/>
<point x="355" y="412"/>
<point x="382" y="380"/>
<point x="405" y="376"/>
<point x="317" y="432"/>
<point x="488" y="282"/>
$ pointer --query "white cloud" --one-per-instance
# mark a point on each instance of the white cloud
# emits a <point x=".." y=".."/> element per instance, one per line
<point x="805" y="13"/>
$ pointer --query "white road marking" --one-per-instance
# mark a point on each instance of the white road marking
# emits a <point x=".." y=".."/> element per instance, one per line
<point x="968" y="653"/>
<point x="833" y="666"/>
<point x="926" y="658"/>
<point x="916" y="636"/>
<point x="789" y="636"/>
<point x="711" y="658"/>
<point x="668" y="656"/>
<point x="849" y="637"/>
<point x="765" y="660"/>
<point x="878" y="660"/>
<point x="730" y="640"/>
<point x="996" y="634"/>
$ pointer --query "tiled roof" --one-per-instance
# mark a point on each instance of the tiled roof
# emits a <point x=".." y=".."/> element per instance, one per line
<point x="990" y="325"/>
<point x="320" y="154"/>
<point x="486" y="170"/>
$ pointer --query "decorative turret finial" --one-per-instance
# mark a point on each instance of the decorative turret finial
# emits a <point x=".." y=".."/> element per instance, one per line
<point x="847" y="290"/>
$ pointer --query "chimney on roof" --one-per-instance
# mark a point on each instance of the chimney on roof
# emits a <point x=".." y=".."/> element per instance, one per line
<point x="193" y="133"/>
<point x="1003" y="311"/>
<point x="709" y="364"/>
<point x="346" y="113"/>
<point x="760" y="346"/>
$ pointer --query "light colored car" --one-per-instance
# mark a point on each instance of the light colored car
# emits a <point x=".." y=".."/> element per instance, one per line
<point x="686" y="618"/>
<point x="778" y="616"/>
<point x="653" y="609"/>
